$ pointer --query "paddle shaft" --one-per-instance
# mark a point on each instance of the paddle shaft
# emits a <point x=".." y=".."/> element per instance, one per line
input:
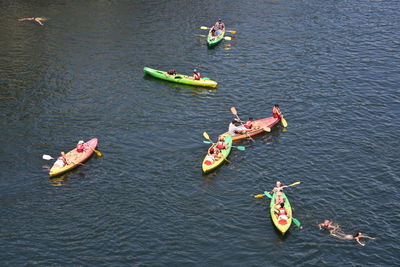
<point x="234" y="112"/>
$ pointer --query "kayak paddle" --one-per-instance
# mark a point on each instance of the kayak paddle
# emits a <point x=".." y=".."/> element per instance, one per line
<point x="207" y="28"/>
<point x="234" y="112"/>
<point x="242" y="148"/>
<point x="267" y="129"/>
<point x="295" y="183"/>
<point x="284" y="123"/>
<point x="47" y="157"/>
<point x="262" y="195"/>
<point x="206" y="136"/>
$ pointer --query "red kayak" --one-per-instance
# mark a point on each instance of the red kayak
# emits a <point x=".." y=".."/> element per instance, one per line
<point x="259" y="126"/>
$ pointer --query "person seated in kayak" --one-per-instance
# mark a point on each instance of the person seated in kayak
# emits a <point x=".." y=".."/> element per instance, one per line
<point x="277" y="112"/>
<point x="80" y="147"/>
<point x="221" y="145"/>
<point x="171" y="72"/>
<point x="219" y="26"/>
<point x="278" y="190"/>
<point x="234" y="129"/>
<point x="196" y="75"/>
<point x="214" y="34"/>
<point x="61" y="161"/>
<point x="327" y="225"/>
<point x="38" y="20"/>
<point x="249" y="123"/>
<point x="282" y="214"/>
<point x="212" y="155"/>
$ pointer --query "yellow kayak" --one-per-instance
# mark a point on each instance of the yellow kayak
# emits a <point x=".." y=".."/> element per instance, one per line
<point x="210" y="164"/>
<point x="282" y="224"/>
<point x="75" y="158"/>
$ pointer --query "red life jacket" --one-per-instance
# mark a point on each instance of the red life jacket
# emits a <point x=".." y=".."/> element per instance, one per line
<point x="248" y="125"/>
<point x="220" y="145"/>
<point x="282" y="211"/>
<point x="80" y="148"/>
<point x="275" y="112"/>
<point x="196" y="76"/>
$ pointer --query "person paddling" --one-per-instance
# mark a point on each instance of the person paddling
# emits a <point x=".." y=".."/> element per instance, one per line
<point x="234" y="129"/>
<point x="277" y="112"/>
<point x="38" y="20"/>
<point x="282" y="214"/>
<point x="249" y="123"/>
<point x="278" y="190"/>
<point x="196" y="75"/>
<point x="80" y="147"/>
<point x="61" y="161"/>
<point x="221" y="144"/>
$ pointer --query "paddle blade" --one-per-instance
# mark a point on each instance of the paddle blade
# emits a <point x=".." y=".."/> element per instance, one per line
<point x="206" y="142"/>
<point x="204" y="28"/>
<point x="295" y="183"/>
<point x="234" y="111"/>
<point x="259" y="196"/>
<point x="228" y="38"/>
<point x="47" y="157"/>
<point x="231" y="31"/>
<point x="98" y="153"/>
<point x="267" y="194"/>
<point x="296" y="222"/>
<point x="206" y="136"/>
<point x="242" y="148"/>
<point x="284" y="122"/>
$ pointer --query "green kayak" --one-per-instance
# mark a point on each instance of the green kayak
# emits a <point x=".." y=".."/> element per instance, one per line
<point x="179" y="78"/>
<point x="211" y="163"/>
<point x="213" y="41"/>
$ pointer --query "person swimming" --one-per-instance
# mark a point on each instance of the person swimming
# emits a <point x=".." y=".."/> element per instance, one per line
<point x="335" y="231"/>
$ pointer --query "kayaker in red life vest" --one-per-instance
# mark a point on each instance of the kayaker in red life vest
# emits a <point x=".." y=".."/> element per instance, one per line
<point x="196" y="75"/>
<point x="171" y="72"/>
<point x="212" y="155"/>
<point x="80" y="147"/>
<point x="282" y="214"/>
<point x="277" y="112"/>
<point x="249" y="123"/>
<point x="221" y="144"/>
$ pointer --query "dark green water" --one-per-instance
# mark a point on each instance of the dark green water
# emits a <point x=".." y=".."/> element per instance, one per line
<point x="331" y="65"/>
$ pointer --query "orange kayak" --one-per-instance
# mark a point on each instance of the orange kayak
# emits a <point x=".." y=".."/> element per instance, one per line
<point x="258" y="126"/>
<point x="75" y="158"/>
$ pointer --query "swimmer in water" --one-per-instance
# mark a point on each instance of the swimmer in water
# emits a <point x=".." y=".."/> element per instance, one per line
<point x="38" y="20"/>
<point x="356" y="237"/>
<point x="327" y="225"/>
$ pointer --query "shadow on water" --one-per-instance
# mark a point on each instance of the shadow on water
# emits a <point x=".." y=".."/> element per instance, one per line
<point x="63" y="179"/>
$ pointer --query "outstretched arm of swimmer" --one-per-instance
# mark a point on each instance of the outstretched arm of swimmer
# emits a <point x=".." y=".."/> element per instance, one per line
<point x="358" y="241"/>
